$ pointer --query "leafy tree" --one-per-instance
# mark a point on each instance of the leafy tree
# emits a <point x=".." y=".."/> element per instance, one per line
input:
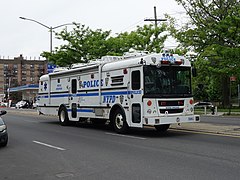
<point x="214" y="33"/>
<point x="147" y="38"/>
<point x="84" y="44"/>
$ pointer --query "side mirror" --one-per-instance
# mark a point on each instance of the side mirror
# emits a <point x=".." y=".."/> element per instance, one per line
<point x="2" y="112"/>
<point x="194" y="72"/>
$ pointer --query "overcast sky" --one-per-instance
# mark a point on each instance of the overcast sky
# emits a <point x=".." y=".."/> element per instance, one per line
<point x="31" y="39"/>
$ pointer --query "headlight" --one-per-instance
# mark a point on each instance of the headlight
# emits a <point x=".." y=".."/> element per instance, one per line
<point x="2" y="128"/>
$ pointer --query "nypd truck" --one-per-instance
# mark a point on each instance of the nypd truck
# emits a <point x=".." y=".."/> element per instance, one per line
<point x="134" y="90"/>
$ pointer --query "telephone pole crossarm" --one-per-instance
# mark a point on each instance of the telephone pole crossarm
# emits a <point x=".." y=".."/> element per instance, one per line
<point x="155" y="18"/>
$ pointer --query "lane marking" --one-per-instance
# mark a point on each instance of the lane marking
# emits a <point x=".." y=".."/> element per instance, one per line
<point x="48" y="145"/>
<point x="126" y="136"/>
<point x="206" y="133"/>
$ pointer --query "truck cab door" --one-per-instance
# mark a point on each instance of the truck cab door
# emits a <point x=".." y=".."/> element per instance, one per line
<point x="135" y="97"/>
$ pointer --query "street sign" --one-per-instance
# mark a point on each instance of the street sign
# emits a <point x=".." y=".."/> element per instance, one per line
<point x="51" y="67"/>
<point x="233" y="78"/>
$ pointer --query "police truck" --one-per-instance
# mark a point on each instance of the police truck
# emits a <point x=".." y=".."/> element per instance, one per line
<point x="137" y="89"/>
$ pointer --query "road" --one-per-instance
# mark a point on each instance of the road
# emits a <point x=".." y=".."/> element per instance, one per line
<point x="39" y="148"/>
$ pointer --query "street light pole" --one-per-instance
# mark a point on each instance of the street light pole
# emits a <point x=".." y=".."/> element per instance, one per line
<point x="48" y="27"/>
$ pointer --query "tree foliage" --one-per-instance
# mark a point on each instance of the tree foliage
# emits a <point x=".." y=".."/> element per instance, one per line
<point x="214" y="33"/>
<point x="83" y="44"/>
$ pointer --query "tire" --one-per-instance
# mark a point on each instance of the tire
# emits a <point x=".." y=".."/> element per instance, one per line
<point x="3" y="144"/>
<point x="162" y="128"/>
<point x="119" y="122"/>
<point x="63" y="117"/>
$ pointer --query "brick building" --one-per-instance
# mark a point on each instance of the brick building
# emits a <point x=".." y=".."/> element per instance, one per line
<point x="20" y="72"/>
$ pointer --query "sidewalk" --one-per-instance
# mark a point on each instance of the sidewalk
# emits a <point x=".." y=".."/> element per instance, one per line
<point x="22" y="111"/>
<point x="230" y="130"/>
<point x="209" y="128"/>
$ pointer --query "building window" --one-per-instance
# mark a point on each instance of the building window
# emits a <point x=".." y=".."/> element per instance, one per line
<point x="5" y="67"/>
<point x="32" y="79"/>
<point x="24" y="72"/>
<point x="32" y="67"/>
<point x="40" y="66"/>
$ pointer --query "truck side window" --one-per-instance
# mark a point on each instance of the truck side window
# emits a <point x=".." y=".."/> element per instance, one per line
<point x="136" y="83"/>
<point x="74" y="86"/>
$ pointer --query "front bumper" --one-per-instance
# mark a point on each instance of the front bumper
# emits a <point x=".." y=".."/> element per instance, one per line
<point x="152" y="121"/>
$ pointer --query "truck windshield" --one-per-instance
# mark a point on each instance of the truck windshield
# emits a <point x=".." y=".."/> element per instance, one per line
<point x="167" y="81"/>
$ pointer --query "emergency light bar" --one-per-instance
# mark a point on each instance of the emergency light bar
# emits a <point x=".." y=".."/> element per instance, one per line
<point x="170" y="59"/>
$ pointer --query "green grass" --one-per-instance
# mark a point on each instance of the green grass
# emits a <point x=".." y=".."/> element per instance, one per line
<point x="225" y="111"/>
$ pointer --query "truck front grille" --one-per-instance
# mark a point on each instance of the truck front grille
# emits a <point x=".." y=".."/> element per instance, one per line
<point x="171" y="111"/>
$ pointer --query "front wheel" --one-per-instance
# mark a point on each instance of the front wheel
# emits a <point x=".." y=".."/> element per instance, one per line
<point x="119" y="122"/>
<point x="162" y="128"/>
<point x="63" y="117"/>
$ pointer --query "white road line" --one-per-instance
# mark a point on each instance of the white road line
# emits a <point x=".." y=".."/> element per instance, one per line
<point x="121" y="135"/>
<point x="48" y="145"/>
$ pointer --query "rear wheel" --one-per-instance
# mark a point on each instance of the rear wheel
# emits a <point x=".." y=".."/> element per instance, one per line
<point x="63" y="117"/>
<point x="162" y="128"/>
<point x="119" y="122"/>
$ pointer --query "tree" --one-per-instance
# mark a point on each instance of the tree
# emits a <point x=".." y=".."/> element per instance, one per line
<point x="147" y="38"/>
<point x="83" y="44"/>
<point x="214" y="33"/>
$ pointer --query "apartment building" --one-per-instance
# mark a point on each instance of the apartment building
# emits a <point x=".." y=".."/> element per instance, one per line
<point x="19" y="72"/>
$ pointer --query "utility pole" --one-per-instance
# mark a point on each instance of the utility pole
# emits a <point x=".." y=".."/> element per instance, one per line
<point x="156" y="20"/>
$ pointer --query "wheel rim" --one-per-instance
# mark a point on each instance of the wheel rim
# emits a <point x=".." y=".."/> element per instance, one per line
<point x="62" y="116"/>
<point x="119" y="121"/>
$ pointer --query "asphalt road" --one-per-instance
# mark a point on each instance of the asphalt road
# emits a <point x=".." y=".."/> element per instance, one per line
<point x="39" y="148"/>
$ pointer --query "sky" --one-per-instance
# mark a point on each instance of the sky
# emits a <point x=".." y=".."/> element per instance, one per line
<point x="30" y="39"/>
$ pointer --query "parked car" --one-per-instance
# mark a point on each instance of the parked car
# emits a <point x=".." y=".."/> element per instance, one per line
<point x="3" y="104"/>
<point x="3" y="130"/>
<point x="205" y="104"/>
<point x="23" y="104"/>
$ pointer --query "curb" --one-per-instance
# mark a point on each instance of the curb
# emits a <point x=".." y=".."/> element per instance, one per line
<point x="228" y="130"/>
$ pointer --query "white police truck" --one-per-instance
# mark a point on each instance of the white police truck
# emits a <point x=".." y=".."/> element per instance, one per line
<point x="134" y="90"/>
